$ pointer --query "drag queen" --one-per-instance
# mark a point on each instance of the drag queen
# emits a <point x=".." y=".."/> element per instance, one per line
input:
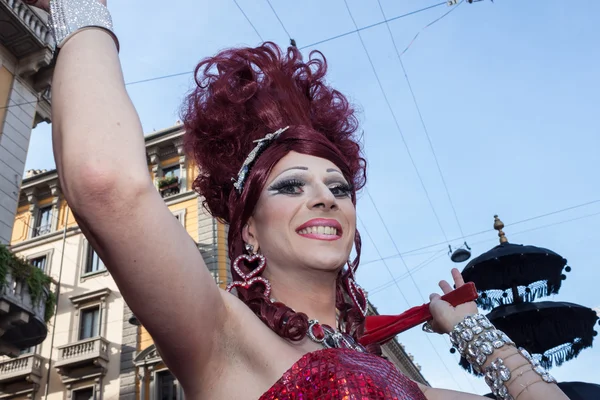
<point x="280" y="163"/>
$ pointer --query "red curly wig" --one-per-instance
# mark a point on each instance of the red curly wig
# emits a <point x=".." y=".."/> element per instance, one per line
<point x="241" y="95"/>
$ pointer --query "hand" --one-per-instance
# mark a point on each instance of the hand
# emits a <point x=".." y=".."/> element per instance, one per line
<point x="45" y="4"/>
<point x="445" y="316"/>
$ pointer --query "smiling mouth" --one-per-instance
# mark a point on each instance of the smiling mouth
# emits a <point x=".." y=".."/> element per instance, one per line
<point x="319" y="230"/>
<point x="325" y="233"/>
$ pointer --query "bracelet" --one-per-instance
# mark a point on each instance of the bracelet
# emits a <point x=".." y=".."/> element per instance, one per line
<point x="68" y="17"/>
<point x="476" y="338"/>
<point x="537" y="368"/>
<point x="497" y="374"/>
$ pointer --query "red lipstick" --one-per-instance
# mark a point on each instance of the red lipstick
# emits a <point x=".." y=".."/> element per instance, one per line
<point x="325" y="222"/>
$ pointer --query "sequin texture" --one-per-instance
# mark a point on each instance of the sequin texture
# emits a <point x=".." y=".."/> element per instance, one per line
<point x="343" y="374"/>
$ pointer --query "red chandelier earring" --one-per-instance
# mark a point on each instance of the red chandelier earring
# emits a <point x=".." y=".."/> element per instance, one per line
<point x="357" y="294"/>
<point x="249" y="267"/>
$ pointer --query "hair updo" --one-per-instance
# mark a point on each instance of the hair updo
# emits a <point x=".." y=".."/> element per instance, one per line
<point x="240" y="96"/>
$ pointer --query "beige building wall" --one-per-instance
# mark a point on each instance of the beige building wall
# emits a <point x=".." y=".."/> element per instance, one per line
<point x="26" y="51"/>
<point x="104" y="362"/>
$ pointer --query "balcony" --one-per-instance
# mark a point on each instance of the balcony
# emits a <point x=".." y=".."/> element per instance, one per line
<point x="22" y="321"/>
<point x="83" y="358"/>
<point x="20" y="375"/>
<point x="42" y="230"/>
<point x="169" y="186"/>
<point x="24" y="32"/>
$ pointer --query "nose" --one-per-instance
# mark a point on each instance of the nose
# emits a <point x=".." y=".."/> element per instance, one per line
<point x="323" y="198"/>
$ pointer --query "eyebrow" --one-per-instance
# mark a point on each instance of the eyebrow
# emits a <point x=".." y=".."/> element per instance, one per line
<point x="329" y="170"/>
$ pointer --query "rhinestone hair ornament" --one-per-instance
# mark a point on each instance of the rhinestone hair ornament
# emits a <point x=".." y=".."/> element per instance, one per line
<point x="261" y="145"/>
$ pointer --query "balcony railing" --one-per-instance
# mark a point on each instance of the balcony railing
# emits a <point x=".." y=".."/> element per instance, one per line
<point x="27" y="368"/>
<point x="30" y="19"/>
<point x="24" y="322"/>
<point x="42" y="230"/>
<point x="170" y="189"/>
<point x="93" y="351"/>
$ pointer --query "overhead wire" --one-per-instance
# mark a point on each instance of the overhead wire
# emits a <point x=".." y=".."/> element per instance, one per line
<point x="398" y="128"/>
<point x="505" y="225"/>
<point x="416" y="170"/>
<point x="372" y="25"/>
<point x="160" y="77"/>
<point x="410" y="275"/>
<point x="414" y="98"/>
<point x="428" y="25"/>
<point x="437" y="254"/>
<point x="248" y="19"/>
<point x="395" y="282"/>
<point x="279" y="19"/>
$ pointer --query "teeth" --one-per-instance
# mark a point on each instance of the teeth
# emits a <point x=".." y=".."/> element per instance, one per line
<point x="320" y="230"/>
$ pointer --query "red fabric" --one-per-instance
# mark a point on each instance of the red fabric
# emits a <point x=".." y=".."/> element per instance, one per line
<point x="343" y="374"/>
<point x="382" y="328"/>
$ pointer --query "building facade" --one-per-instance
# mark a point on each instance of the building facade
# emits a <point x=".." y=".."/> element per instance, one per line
<point x="95" y="347"/>
<point x="26" y="56"/>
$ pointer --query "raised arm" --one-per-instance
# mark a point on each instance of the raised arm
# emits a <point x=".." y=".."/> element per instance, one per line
<point x="97" y="135"/>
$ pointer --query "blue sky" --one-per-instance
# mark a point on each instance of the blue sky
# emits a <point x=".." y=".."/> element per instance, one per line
<point x="507" y="91"/>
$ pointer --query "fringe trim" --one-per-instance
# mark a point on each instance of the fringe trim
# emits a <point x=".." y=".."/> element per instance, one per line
<point x="490" y="299"/>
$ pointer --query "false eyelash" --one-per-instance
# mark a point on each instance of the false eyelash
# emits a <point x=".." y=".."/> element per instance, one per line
<point x="344" y="187"/>
<point x="286" y="183"/>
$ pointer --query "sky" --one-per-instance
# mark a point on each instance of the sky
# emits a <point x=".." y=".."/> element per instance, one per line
<point x="508" y="92"/>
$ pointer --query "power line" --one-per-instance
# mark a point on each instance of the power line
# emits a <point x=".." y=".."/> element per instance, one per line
<point x="372" y="25"/>
<point x="506" y="226"/>
<point x="397" y="124"/>
<point x="404" y="296"/>
<point x="279" y="19"/>
<point x="419" y="267"/>
<point x="428" y="25"/>
<point x="412" y="252"/>
<point x="408" y="272"/>
<point x="159" y="78"/>
<point x="437" y="163"/>
<point x="255" y="30"/>
<point x="248" y="19"/>
<point x="418" y="174"/>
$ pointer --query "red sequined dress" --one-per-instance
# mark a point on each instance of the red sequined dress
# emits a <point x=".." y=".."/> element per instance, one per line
<point x="343" y="374"/>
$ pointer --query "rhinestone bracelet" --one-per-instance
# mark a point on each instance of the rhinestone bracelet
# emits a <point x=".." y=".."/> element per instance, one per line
<point x="497" y="374"/>
<point x="537" y="368"/>
<point x="476" y="338"/>
<point x="67" y="17"/>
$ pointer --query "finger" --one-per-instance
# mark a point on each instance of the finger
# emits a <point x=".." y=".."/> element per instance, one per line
<point x="433" y="296"/>
<point x="445" y="286"/>
<point x="458" y="278"/>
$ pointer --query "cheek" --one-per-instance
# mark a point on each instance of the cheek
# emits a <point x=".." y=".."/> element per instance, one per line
<point x="274" y="219"/>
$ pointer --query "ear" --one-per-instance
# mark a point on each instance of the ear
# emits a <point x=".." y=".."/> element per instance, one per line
<point x="249" y="235"/>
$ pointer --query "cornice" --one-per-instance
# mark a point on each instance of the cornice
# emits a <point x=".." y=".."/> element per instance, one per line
<point x="164" y="135"/>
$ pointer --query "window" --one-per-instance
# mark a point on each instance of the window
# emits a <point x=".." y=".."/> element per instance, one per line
<point x="39" y="262"/>
<point x="43" y="222"/>
<point x="166" y="386"/>
<point x="215" y="275"/>
<point x="169" y="184"/>
<point x="83" y="394"/>
<point x="28" y="350"/>
<point x="180" y="216"/>
<point x="89" y="323"/>
<point x="172" y="171"/>
<point x="94" y="263"/>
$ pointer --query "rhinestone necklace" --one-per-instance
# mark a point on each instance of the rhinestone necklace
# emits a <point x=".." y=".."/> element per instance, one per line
<point x="331" y="338"/>
<point x="328" y="337"/>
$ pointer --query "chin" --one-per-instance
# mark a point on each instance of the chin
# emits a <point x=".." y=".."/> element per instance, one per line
<point x="325" y="263"/>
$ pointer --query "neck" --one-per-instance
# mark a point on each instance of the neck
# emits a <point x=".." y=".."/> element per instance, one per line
<point x="310" y="292"/>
